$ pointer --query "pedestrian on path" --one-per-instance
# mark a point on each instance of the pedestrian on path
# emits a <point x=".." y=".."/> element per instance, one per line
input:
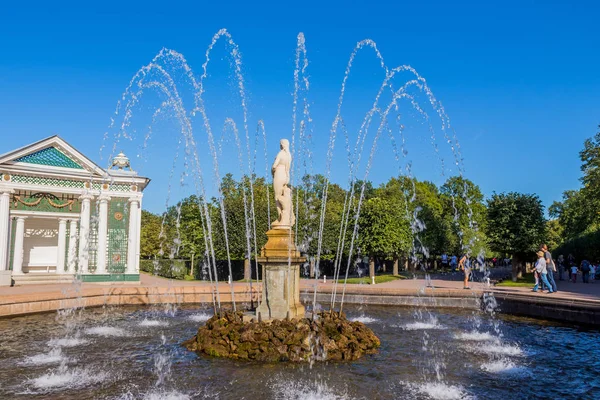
<point x="573" y="273"/>
<point x="540" y="267"/>
<point x="465" y="265"/>
<point x="453" y="263"/>
<point x="550" y="266"/>
<point x="561" y="267"/>
<point x="585" y="271"/>
<point x="593" y="270"/>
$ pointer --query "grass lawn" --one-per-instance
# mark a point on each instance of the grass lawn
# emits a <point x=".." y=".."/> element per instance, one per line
<point x="527" y="281"/>
<point x="378" y="279"/>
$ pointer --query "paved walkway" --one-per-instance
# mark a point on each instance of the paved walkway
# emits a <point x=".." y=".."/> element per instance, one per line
<point x="39" y="298"/>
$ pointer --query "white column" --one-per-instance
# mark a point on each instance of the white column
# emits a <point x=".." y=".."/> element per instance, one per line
<point x="62" y="246"/>
<point x="134" y="205"/>
<point x="71" y="260"/>
<point x="138" y="236"/>
<point x="18" y="255"/>
<point x="84" y="233"/>
<point x="102" y="234"/>
<point x="4" y="227"/>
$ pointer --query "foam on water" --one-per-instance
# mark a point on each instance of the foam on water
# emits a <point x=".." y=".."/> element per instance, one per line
<point x="67" y="342"/>
<point x="294" y="390"/>
<point x="415" y="326"/>
<point x="53" y="357"/>
<point x="476" y="336"/>
<point x="156" y="395"/>
<point x="106" y="331"/>
<point x="199" y="317"/>
<point x="502" y="366"/>
<point x="364" y="319"/>
<point x="153" y="322"/>
<point x="64" y="378"/>
<point x="497" y="348"/>
<point x="440" y="391"/>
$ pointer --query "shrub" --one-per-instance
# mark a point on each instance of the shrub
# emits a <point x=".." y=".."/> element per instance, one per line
<point x="174" y="269"/>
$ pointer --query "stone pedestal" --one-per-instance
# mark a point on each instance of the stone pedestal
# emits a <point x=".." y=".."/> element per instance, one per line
<point x="281" y="277"/>
<point x="5" y="278"/>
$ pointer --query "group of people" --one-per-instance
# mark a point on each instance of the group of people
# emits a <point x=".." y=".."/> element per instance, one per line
<point x="545" y="269"/>
<point x="587" y="269"/>
<point x="464" y="264"/>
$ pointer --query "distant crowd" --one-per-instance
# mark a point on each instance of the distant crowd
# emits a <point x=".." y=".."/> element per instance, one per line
<point x="545" y="268"/>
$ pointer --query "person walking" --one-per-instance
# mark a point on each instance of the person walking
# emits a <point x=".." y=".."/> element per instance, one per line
<point x="593" y="270"/>
<point x="550" y="266"/>
<point x="453" y="263"/>
<point x="585" y="271"/>
<point x="561" y="267"/>
<point x="573" y="273"/>
<point x="540" y="267"/>
<point x="465" y="265"/>
<point x="444" y="261"/>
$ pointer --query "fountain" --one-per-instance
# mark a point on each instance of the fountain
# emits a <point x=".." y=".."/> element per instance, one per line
<point x="278" y="329"/>
<point x="135" y="352"/>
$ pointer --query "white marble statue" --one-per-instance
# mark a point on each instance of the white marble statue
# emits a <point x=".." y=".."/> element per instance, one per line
<point x="281" y="187"/>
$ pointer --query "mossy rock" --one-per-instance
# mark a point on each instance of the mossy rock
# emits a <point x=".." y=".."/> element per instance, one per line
<point x="330" y="336"/>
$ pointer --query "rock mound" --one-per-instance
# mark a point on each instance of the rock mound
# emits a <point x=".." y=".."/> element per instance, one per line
<point x="330" y="336"/>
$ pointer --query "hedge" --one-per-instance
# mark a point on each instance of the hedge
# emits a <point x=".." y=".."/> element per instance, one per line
<point x="174" y="269"/>
<point x="585" y="246"/>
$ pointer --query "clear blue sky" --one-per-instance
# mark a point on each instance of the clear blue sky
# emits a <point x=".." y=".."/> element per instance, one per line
<point x="519" y="80"/>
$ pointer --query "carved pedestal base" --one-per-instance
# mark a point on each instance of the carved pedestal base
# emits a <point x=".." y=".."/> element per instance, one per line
<point x="281" y="277"/>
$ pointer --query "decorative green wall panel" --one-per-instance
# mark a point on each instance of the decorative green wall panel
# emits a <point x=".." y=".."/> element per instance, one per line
<point x="46" y="202"/>
<point x="118" y="217"/>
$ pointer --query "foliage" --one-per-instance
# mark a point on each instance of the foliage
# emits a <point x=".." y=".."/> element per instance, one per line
<point x="585" y="246"/>
<point x="384" y="230"/>
<point x="516" y="223"/>
<point x="174" y="269"/>
<point x="450" y="215"/>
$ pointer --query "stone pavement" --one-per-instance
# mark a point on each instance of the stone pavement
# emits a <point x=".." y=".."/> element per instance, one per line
<point x="151" y="289"/>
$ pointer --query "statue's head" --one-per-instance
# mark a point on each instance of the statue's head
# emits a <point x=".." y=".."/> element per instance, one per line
<point x="284" y="144"/>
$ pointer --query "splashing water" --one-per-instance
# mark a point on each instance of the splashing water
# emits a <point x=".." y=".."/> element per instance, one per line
<point x="504" y="366"/>
<point x="65" y="378"/>
<point x="284" y="389"/>
<point x="55" y="356"/>
<point x="199" y="317"/>
<point x="439" y="391"/>
<point x="106" y="331"/>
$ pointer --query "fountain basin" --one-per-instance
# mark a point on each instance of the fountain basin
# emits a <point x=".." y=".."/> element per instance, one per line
<point x="329" y="336"/>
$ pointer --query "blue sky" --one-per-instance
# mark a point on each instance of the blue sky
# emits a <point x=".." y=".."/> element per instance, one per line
<point x="519" y="80"/>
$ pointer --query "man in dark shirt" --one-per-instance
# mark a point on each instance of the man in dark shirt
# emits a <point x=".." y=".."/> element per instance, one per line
<point x="551" y="267"/>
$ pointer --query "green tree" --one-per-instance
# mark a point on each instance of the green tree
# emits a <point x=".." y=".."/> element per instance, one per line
<point x="150" y="234"/>
<point x="466" y="215"/>
<point x="516" y="226"/>
<point x="384" y="230"/>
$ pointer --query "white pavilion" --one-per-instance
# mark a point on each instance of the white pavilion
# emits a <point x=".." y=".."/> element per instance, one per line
<point x="63" y="216"/>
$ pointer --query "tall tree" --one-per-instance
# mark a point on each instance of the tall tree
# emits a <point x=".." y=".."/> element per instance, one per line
<point x="516" y="226"/>
<point x="384" y="230"/>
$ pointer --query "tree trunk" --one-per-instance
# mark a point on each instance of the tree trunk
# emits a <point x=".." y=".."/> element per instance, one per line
<point x="517" y="267"/>
<point x="435" y="264"/>
<point x="312" y="268"/>
<point x="395" y="268"/>
<point x="406" y="264"/>
<point x="383" y="269"/>
<point x="371" y="267"/>
<point x="247" y="270"/>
